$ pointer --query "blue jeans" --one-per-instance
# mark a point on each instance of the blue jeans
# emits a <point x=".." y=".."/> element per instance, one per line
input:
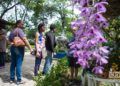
<point x="2" y="59"/>
<point x="48" y="62"/>
<point x="17" y="54"/>
<point x="37" y="65"/>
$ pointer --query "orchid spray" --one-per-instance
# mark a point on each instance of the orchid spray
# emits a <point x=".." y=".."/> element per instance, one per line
<point x="87" y="46"/>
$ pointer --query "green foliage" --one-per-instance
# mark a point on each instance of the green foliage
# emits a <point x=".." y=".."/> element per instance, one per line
<point x="31" y="33"/>
<point x="57" y="76"/>
<point x="113" y="35"/>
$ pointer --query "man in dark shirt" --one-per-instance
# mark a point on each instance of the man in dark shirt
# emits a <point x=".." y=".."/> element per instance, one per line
<point x="50" y="45"/>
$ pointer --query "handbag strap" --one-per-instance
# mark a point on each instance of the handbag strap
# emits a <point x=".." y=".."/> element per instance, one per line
<point x="16" y="33"/>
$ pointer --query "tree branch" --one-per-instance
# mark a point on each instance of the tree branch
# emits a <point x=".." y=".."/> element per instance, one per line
<point x="8" y="3"/>
<point x="8" y="9"/>
<point x="3" y="5"/>
<point x="25" y="13"/>
<point x="0" y="1"/>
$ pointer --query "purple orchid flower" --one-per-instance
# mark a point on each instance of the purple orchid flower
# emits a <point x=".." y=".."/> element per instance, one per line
<point x="83" y="3"/>
<point x="101" y="61"/>
<point x="72" y="52"/>
<point x="87" y="55"/>
<point x="72" y="46"/>
<point x="85" y="11"/>
<point x="100" y="7"/>
<point x="93" y="41"/>
<point x="96" y="55"/>
<point x="97" y="17"/>
<point x="79" y="46"/>
<point x="98" y="70"/>
<point x="102" y="39"/>
<point x="89" y="38"/>
<point x="104" y="50"/>
<point x="100" y="18"/>
<point x="77" y="23"/>
<point x="105" y="24"/>
<point x="83" y="63"/>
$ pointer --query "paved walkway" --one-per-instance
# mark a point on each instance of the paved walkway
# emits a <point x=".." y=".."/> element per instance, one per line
<point x="27" y="71"/>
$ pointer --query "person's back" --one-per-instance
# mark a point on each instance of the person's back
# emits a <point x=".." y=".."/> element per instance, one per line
<point x="50" y="41"/>
<point x="17" y="52"/>
<point x="3" y="41"/>
<point x="50" y="45"/>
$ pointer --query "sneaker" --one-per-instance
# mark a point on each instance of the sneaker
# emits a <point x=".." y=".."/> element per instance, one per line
<point x="12" y="81"/>
<point x="20" y="82"/>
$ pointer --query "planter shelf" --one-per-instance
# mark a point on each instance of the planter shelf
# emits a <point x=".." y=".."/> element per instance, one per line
<point x="96" y="81"/>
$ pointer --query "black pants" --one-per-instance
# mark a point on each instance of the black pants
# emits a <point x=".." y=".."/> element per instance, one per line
<point x="73" y="62"/>
<point x="2" y="58"/>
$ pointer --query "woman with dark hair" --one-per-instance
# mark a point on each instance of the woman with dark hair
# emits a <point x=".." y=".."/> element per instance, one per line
<point x="17" y="52"/>
<point x="39" y="45"/>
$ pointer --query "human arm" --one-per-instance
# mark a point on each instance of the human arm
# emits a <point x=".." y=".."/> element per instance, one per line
<point x="36" y="41"/>
<point x="24" y="38"/>
<point x="2" y="34"/>
<point x="27" y="43"/>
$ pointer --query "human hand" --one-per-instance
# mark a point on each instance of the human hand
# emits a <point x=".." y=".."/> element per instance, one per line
<point x="31" y="51"/>
<point x="37" y="54"/>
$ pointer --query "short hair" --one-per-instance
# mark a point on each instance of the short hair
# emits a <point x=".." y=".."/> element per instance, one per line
<point x="2" y="25"/>
<point x="17" y="22"/>
<point x="40" y="26"/>
<point x="52" y="27"/>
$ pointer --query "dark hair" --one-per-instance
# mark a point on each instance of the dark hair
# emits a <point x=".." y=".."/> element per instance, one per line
<point x="2" y="23"/>
<point x="40" y="26"/>
<point x="2" y="26"/>
<point x="17" y="22"/>
<point x="52" y="27"/>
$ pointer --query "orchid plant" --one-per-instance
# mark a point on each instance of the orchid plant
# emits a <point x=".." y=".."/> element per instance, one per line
<point x="89" y="38"/>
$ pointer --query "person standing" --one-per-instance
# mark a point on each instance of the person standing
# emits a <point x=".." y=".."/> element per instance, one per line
<point x="71" y="60"/>
<point x="17" y="52"/>
<point x="50" y="45"/>
<point x="39" y="45"/>
<point x="3" y="42"/>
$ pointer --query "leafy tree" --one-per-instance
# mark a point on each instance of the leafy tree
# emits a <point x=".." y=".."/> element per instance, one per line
<point x="113" y="35"/>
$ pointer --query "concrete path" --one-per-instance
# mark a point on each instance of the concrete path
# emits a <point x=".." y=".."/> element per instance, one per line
<point x="27" y="71"/>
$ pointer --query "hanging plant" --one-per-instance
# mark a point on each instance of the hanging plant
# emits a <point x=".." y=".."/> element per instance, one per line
<point x="89" y="38"/>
